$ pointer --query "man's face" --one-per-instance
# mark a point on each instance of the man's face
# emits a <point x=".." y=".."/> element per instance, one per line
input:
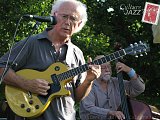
<point x="68" y="19"/>
<point x="106" y="71"/>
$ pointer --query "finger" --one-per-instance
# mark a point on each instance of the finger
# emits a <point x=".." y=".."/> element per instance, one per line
<point x="43" y="82"/>
<point x="43" y="93"/>
<point x="119" y="117"/>
<point x="44" y="87"/>
<point x="97" y="74"/>
<point x="94" y="72"/>
<point x="123" y="116"/>
<point x="119" y="68"/>
<point x="89" y="59"/>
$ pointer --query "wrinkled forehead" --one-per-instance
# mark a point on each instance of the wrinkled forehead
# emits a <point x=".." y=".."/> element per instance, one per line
<point x="108" y="64"/>
<point x="69" y="8"/>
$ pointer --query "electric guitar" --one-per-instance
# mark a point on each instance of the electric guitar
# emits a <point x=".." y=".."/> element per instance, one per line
<point x="27" y="104"/>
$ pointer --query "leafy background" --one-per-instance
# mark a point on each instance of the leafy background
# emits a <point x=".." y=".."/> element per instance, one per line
<point x="101" y="32"/>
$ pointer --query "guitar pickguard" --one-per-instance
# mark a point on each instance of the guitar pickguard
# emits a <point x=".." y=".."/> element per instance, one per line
<point x="53" y="89"/>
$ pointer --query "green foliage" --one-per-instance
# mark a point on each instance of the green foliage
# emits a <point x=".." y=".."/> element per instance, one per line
<point x="90" y="43"/>
<point x="103" y="29"/>
<point x="11" y="12"/>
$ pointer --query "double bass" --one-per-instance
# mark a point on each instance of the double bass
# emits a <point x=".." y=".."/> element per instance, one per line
<point x="132" y="108"/>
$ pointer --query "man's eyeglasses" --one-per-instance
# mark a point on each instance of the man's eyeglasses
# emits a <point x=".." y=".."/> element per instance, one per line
<point x="105" y="67"/>
<point x="73" y="19"/>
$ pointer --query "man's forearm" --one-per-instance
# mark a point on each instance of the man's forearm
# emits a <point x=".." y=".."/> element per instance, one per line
<point x="11" y="78"/>
<point x="83" y="90"/>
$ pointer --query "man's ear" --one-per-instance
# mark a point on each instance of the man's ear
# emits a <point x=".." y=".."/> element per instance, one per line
<point x="55" y="13"/>
<point x="79" y="23"/>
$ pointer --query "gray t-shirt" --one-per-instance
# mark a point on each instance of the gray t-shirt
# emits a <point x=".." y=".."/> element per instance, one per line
<point x="39" y="54"/>
<point x="98" y="103"/>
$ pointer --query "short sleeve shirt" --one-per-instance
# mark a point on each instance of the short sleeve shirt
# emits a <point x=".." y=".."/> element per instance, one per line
<point x="39" y="54"/>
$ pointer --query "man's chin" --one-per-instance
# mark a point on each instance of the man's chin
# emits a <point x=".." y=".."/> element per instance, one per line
<point x="106" y="77"/>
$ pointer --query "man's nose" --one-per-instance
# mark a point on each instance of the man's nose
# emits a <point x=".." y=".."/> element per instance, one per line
<point x="107" y="69"/>
<point x="68" y="21"/>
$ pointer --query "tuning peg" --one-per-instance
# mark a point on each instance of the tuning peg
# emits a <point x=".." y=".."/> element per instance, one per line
<point x="135" y="52"/>
<point x="131" y="45"/>
<point x="145" y="53"/>
<point x="141" y="55"/>
<point x="140" y="42"/>
<point x="135" y="44"/>
<point x="136" y="56"/>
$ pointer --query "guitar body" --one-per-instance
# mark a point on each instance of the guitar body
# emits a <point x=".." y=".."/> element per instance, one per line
<point x="27" y="104"/>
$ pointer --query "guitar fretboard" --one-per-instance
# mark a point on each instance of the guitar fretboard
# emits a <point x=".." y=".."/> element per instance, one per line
<point x="85" y="67"/>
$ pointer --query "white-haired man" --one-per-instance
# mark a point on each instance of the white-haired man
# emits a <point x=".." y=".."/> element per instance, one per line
<point x="48" y="47"/>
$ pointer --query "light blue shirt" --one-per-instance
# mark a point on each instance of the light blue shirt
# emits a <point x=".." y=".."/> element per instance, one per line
<point x="99" y="102"/>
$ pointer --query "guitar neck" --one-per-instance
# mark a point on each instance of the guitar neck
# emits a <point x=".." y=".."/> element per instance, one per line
<point x="85" y="67"/>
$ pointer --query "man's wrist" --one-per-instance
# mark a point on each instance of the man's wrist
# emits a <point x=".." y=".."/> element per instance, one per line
<point x="131" y="73"/>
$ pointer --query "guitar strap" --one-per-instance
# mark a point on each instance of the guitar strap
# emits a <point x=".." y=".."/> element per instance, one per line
<point x="61" y="54"/>
<point x="69" y="56"/>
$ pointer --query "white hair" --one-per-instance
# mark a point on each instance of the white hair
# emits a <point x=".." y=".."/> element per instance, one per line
<point x="82" y="9"/>
<point x="98" y="57"/>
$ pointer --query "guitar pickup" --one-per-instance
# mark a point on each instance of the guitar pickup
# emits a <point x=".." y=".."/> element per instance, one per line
<point x="55" y="79"/>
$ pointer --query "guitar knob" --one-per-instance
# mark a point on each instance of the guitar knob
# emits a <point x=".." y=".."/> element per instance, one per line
<point x="28" y="109"/>
<point x="37" y="106"/>
<point x="22" y="105"/>
<point x="31" y="102"/>
<point x="57" y="68"/>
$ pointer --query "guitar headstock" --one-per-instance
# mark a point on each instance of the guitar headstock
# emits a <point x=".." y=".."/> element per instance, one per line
<point x="137" y="48"/>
